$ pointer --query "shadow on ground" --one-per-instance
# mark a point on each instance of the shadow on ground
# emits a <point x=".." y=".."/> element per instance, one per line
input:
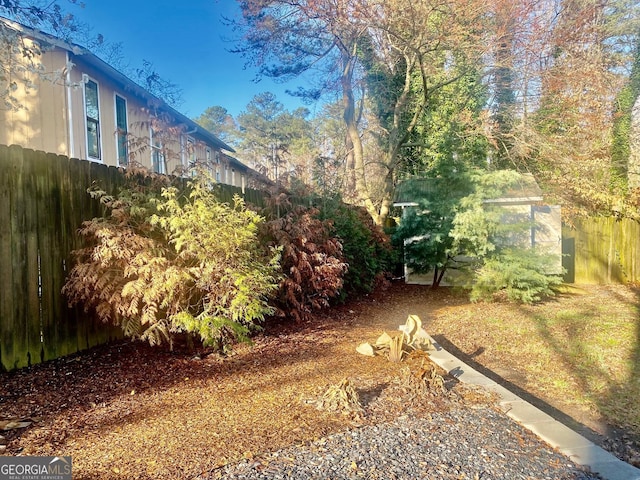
<point x="618" y="441"/>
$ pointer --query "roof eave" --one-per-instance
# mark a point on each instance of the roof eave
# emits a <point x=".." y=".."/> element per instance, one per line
<point x="110" y="71"/>
<point x="139" y="91"/>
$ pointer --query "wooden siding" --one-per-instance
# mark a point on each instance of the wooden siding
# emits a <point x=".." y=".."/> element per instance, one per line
<point x="137" y="117"/>
<point x="41" y="120"/>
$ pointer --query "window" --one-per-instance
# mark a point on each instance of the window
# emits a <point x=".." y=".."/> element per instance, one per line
<point x="191" y="149"/>
<point x="92" y="110"/>
<point x="216" y="159"/>
<point x="233" y="176"/>
<point x="121" y="131"/>
<point x="208" y="164"/>
<point x="193" y="159"/>
<point x="157" y="157"/>
<point x="188" y="152"/>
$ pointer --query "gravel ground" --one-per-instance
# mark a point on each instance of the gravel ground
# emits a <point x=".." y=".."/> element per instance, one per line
<point x="463" y="443"/>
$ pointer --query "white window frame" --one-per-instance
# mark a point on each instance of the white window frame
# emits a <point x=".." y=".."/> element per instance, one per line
<point x="187" y="151"/>
<point x="157" y="150"/>
<point x="183" y="150"/>
<point x="86" y="79"/>
<point x="191" y="151"/>
<point x="209" y="164"/>
<point x="117" y="129"/>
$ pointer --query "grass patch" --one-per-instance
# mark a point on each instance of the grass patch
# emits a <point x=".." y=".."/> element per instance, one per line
<point x="580" y="350"/>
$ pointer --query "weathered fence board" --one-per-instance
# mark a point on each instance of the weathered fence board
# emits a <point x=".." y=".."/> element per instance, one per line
<point x="6" y="258"/>
<point x="602" y="250"/>
<point x="32" y="195"/>
<point x="43" y="202"/>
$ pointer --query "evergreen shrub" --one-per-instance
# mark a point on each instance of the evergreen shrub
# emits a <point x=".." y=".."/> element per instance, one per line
<point x="366" y="247"/>
<point x="163" y="261"/>
<point x="519" y="274"/>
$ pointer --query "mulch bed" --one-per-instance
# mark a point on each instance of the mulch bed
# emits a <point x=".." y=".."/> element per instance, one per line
<point x="131" y="411"/>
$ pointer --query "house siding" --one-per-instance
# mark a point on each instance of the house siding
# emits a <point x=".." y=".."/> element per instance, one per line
<point x="54" y="118"/>
<point x="47" y="123"/>
<point x="41" y="122"/>
<point x="178" y="150"/>
<point x="137" y="118"/>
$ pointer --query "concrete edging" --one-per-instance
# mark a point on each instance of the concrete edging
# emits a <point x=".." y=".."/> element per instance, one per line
<point x="571" y="444"/>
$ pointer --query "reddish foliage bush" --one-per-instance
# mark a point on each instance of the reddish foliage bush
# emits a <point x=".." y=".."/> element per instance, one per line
<point x="312" y="262"/>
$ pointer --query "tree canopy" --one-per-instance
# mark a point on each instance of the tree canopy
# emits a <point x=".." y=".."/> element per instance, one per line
<point x="388" y="57"/>
<point x="528" y="85"/>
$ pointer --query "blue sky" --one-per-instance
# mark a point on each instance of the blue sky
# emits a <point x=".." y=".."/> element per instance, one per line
<point x="184" y="39"/>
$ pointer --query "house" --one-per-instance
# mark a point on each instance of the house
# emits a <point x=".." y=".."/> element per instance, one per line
<point x="523" y="202"/>
<point x="66" y="100"/>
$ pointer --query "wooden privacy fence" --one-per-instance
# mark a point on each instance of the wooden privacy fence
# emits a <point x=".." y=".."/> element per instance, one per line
<point x="602" y="250"/>
<point x="43" y="201"/>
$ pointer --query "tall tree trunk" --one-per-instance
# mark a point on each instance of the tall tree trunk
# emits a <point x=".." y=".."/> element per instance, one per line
<point x="350" y="119"/>
<point x="387" y="199"/>
<point x="350" y="186"/>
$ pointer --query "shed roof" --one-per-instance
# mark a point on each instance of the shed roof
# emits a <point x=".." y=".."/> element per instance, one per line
<point x="526" y="192"/>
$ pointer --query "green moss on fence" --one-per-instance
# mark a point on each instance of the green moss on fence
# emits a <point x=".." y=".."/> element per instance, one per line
<point x="43" y="201"/>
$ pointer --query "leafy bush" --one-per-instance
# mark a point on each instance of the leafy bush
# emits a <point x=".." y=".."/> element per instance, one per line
<point x="425" y="231"/>
<point x="366" y="248"/>
<point x="457" y="221"/>
<point x="499" y="239"/>
<point x="160" y="263"/>
<point x="518" y="273"/>
<point x="312" y="262"/>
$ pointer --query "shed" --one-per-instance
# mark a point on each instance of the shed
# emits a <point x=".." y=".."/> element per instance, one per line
<point x="524" y="201"/>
